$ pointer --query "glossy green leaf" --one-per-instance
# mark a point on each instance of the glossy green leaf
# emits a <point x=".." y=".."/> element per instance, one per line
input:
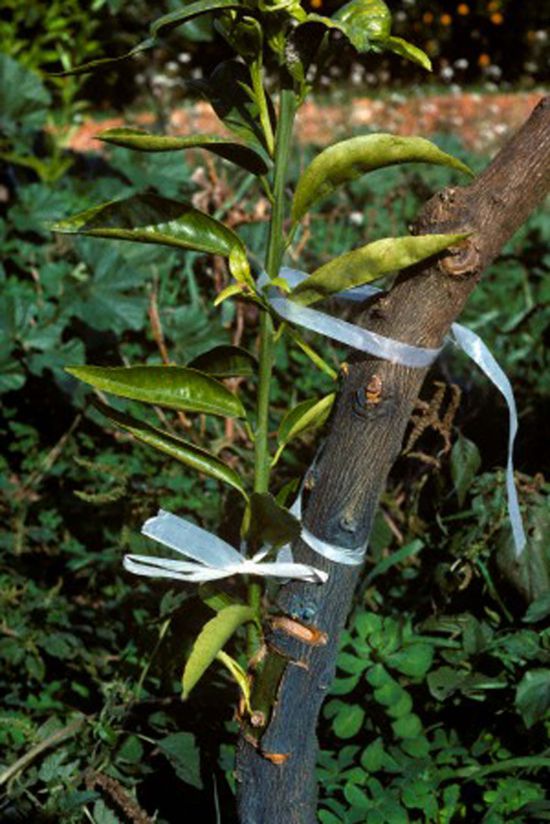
<point x="369" y="263"/>
<point x="364" y="22"/>
<point x="211" y="639"/>
<point x="270" y="523"/>
<point x="465" y="462"/>
<point x="108" y="62"/>
<point x="148" y="218"/>
<point x="405" y="49"/>
<point x="305" y="416"/>
<point x="350" y="159"/>
<point x="176" y="18"/>
<point x="226" y="362"/>
<point x="174" y="387"/>
<point x="241" y="155"/>
<point x="175" y="447"/>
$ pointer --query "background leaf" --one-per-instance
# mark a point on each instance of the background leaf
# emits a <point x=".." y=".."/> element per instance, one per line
<point x="533" y="696"/>
<point x="465" y="462"/>
<point x="182" y="752"/>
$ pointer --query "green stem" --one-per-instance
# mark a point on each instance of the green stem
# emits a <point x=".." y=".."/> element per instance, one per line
<point x="273" y="259"/>
<point x="256" y="75"/>
<point x="274" y="255"/>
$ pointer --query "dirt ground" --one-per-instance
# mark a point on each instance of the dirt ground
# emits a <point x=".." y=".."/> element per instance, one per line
<point x="483" y="121"/>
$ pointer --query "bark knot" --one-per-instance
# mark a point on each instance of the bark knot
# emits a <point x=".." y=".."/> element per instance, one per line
<point x="462" y="261"/>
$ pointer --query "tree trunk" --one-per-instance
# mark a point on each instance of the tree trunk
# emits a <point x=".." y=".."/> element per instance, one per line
<point x="278" y="750"/>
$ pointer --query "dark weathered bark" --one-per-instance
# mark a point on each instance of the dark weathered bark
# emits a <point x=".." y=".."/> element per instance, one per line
<point x="276" y="772"/>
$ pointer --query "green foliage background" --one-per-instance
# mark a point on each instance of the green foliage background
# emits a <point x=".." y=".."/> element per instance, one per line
<point x="440" y="709"/>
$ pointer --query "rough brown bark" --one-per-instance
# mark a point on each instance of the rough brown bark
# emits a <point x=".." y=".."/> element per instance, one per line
<point x="277" y="775"/>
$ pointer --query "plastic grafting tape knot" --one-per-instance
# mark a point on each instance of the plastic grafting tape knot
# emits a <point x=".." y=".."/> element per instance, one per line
<point x="212" y="558"/>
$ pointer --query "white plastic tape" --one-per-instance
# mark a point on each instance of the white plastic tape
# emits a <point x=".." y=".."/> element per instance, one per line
<point x="407" y="355"/>
<point x="212" y="558"/>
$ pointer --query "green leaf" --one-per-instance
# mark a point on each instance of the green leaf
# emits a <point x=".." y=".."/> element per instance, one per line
<point x="270" y="523"/>
<point x="538" y="610"/>
<point x="211" y="639"/>
<point x="148" y="218"/>
<point x="228" y="91"/>
<point x="395" y="558"/>
<point x="350" y="159"/>
<point x="226" y="362"/>
<point x="174" y="387"/>
<point x="533" y="696"/>
<point x="183" y="754"/>
<point x="302" y="45"/>
<point x="176" y="18"/>
<point x="409" y="726"/>
<point x="369" y="263"/>
<point x="177" y="448"/>
<point x="239" y="675"/>
<point x="413" y="660"/>
<point x="465" y="462"/>
<point x="107" y="62"/>
<point x="364" y="22"/>
<point x="307" y="415"/>
<point x="237" y="153"/>
<point x="215" y="598"/>
<point x="348" y="721"/>
<point x="405" y="49"/>
<point x="24" y="99"/>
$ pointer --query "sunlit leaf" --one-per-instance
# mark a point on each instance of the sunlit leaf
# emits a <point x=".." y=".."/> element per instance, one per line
<point x="175" y="447"/>
<point x="239" y="675"/>
<point x="211" y="639"/>
<point x="174" y="387"/>
<point x="364" y="22"/>
<point x="176" y="18"/>
<point x="370" y="262"/>
<point x="405" y="49"/>
<point x="140" y="140"/>
<point x="349" y="159"/>
<point x="148" y="218"/>
<point x="226" y="362"/>
<point x="305" y="416"/>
